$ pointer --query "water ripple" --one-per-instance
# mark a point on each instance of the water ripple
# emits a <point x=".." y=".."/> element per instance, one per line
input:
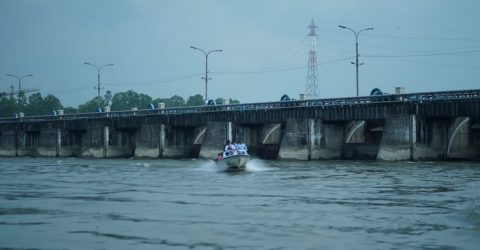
<point x="175" y="204"/>
<point x="163" y="242"/>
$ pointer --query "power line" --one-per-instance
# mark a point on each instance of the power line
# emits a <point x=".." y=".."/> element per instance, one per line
<point x="291" y="68"/>
<point x="259" y="71"/>
<point x="424" y="38"/>
<point x="412" y="37"/>
<point x="429" y="54"/>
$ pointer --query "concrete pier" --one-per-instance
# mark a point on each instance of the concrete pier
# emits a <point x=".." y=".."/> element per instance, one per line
<point x="398" y="139"/>
<point x="312" y="139"/>
<point x="148" y="142"/>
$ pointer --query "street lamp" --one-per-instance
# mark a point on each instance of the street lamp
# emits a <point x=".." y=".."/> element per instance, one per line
<point x="99" y="68"/>
<point x="356" y="47"/>
<point x="19" y="88"/>
<point x="206" y="67"/>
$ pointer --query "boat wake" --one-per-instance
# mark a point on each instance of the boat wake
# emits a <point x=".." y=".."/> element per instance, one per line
<point x="253" y="165"/>
<point x="207" y="166"/>
<point x="257" y="165"/>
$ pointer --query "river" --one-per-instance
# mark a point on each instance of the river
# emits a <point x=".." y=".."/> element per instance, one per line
<point x="67" y="203"/>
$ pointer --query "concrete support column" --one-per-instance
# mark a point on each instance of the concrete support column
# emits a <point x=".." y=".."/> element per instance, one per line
<point x="106" y="134"/>
<point x="16" y="135"/>
<point x="398" y="139"/>
<point x="294" y="144"/>
<point x="310" y="137"/>
<point x="161" y="147"/>
<point x="59" y="141"/>
<point x="229" y="135"/>
<point x="21" y="143"/>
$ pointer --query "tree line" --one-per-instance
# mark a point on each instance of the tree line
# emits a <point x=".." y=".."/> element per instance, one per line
<point x="36" y="104"/>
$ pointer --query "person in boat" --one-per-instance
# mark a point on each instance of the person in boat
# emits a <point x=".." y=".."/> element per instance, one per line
<point x="229" y="149"/>
<point x="226" y="145"/>
<point x="242" y="148"/>
<point x="234" y="147"/>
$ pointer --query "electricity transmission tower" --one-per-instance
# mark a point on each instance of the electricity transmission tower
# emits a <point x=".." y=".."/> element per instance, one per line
<point x="312" y="90"/>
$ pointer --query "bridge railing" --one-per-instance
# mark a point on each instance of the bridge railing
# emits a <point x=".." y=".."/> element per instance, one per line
<point x="328" y="102"/>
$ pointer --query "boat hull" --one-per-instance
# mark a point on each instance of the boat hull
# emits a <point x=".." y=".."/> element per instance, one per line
<point x="234" y="163"/>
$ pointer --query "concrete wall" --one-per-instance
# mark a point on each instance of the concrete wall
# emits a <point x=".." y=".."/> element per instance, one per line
<point x="360" y="151"/>
<point x="404" y="131"/>
<point x="362" y="139"/>
<point x="121" y="143"/>
<point x="179" y="142"/>
<point x="48" y="144"/>
<point x="150" y="141"/>
<point x="95" y="140"/>
<point x="311" y="139"/>
<point x="398" y="138"/>
<point x="328" y="140"/>
<point x="460" y="143"/>
<point x="71" y="142"/>
<point x="355" y="132"/>
<point x="432" y="138"/>
<point x="294" y="141"/>
<point x="8" y="142"/>
<point x="270" y="140"/>
<point x="215" y="136"/>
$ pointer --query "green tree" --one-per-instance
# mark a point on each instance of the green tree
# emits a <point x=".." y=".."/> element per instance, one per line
<point x="51" y="103"/>
<point x="174" y="101"/>
<point x="195" y="100"/>
<point x="234" y="101"/>
<point x="177" y="101"/>
<point x="8" y="106"/>
<point x="90" y="106"/>
<point x="130" y="99"/>
<point x="37" y="105"/>
<point x="221" y="101"/>
<point x="70" y="110"/>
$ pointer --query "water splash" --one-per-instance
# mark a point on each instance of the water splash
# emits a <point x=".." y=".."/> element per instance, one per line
<point x="253" y="165"/>
<point x="207" y="165"/>
<point x="257" y="165"/>
<point x="140" y="164"/>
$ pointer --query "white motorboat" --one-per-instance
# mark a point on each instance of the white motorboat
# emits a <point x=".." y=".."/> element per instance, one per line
<point x="234" y="162"/>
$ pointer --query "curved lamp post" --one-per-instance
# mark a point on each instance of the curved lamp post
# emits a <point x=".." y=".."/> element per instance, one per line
<point x="356" y="47"/>
<point x="206" y="67"/>
<point x="99" y="68"/>
<point x="19" y="78"/>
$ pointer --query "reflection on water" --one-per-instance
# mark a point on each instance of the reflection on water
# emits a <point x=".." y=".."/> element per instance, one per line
<point x="189" y="204"/>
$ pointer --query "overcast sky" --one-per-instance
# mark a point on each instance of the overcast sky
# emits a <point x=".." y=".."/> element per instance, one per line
<point x="422" y="45"/>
